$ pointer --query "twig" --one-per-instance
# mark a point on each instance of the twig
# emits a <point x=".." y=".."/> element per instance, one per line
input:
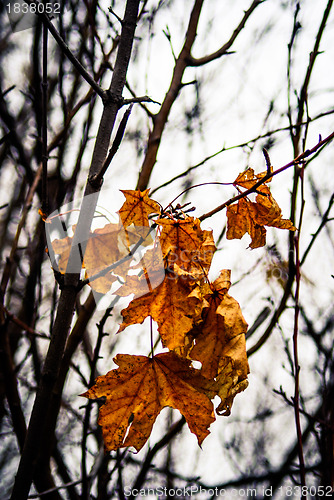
<point x="97" y="179"/>
<point x="173" y="431"/>
<point x="224" y="48"/>
<point x="268" y="162"/>
<point x="295" y="347"/>
<point x="138" y="100"/>
<point x="86" y="479"/>
<point x="23" y="325"/>
<point x="57" y="488"/>
<point x="69" y="292"/>
<point x="45" y="201"/>
<point x="27" y="206"/>
<point x="67" y="51"/>
<point x="11" y="386"/>
<point x="292" y="163"/>
<point x="196" y="186"/>
<point x="321" y="226"/>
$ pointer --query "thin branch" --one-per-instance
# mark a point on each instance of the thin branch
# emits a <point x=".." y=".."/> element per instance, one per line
<point x="10" y="386"/>
<point x="22" y="324"/>
<point x="98" y="178"/>
<point x="295" y="347"/>
<point x="86" y="480"/>
<point x="57" y="488"/>
<point x="45" y="201"/>
<point x="268" y="161"/>
<point x="229" y="148"/>
<point x="224" y="49"/>
<point x="323" y="223"/>
<point x="67" y="51"/>
<point x="138" y="100"/>
<point x="69" y="292"/>
<point x="27" y="205"/>
<point x="268" y="176"/>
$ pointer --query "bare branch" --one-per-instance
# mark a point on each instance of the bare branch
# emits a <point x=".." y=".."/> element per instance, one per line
<point x="292" y="163"/>
<point x="224" y="49"/>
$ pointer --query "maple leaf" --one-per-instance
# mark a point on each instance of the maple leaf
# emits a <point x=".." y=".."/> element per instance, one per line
<point x="247" y="179"/>
<point x="240" y="220"/>
<point x="153" y="274"/>
<point x="101" y="250"/>
<point x="105" y="246"/>
<point x="229" y="385"/>
<point x="138" y="390"/>
<point x="137" y="207"/>
<point x="249" y="217"/>
<point x="186" y="244"/>
<point x="221" y="333"/>
<point x="171" y="305"/>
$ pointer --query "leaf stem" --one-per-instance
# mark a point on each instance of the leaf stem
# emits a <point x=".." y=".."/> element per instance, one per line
<point x="151" y="337"/>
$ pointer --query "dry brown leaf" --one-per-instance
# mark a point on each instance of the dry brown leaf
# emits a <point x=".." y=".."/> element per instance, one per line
<point x="247" y="179"/>
<point x="221" y="333"/>
<point x="138" y="390"/>
<point x="249" y="217"/>
<point x="185" y="244"/>
<point x="171" y="305"/>
<point x="267" y="212"/>
<point x="105" y="247"/>
<point x="102" y="250"/>
<point x="137" y="207"/>
<point x="229" y="385"/>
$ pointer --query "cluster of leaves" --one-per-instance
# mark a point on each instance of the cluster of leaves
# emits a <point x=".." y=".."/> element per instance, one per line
<point x="197" y="319"/>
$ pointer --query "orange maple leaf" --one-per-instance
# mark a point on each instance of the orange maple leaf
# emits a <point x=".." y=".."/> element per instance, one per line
<point x="137" y="207"/>
<point x="249" y="217"/>
<point x="172" y="305"/>
<point x="221" y="333"/>
<point x="247" y="178"/>
<point x="102" y="249"/>
<point x="105" y="246"/>
<point x="137" y="391"/>
<point x="184" y="243"/>
<point x="229" y="385"/>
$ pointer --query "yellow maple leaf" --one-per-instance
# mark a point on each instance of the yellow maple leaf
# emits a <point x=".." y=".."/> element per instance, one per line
<point x="246" y="216"/>
<point x="185" y="244"/>
<point x="229" y="385"/>
<point x="221" y="332"/>
<point x="170" y="304"/>
<point x="102" y="250"/>
<point x="137" y="207"/>
<point x="138" y="390"/>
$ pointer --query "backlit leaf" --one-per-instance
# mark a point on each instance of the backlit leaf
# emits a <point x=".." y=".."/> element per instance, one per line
<point x="184" y="243"/>
<point x="171" y="305"/>
<point x="250" y="217"/>
<point x="138" y="390"/>
<point x="137" y="207"/>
